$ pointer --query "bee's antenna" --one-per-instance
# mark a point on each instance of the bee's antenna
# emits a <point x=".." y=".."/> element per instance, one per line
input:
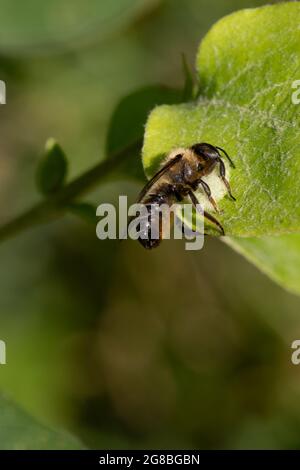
<point x="226" y="155"/>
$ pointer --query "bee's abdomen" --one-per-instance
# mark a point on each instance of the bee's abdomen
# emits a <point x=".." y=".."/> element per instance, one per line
<point x="152" y="227"/>
<point x="164" y="194"/>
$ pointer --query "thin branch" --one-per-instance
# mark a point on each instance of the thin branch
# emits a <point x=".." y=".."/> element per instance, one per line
<point x="55" y="205"/>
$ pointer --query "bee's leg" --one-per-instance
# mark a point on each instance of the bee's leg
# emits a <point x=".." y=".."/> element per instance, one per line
<point x="226" y="155"/>
<point x="186" y="230"/>
<point x="207" y="191"/>
<point x="212" y="219"/>
<point x="176" y="191"/>
<point x="178" y="196"/>
<point x="222" y="176"/>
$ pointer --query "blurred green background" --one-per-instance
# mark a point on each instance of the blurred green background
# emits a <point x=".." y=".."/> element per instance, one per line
<point x="127" y="348"/>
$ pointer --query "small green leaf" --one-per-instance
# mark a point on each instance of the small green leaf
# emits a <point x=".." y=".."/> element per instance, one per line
<point x="129" y="118"/>
<point x="18" y="431"/>
<point x="52" y="169"/>
<point x="84" y="210"/>
<point x="246" y="66"/>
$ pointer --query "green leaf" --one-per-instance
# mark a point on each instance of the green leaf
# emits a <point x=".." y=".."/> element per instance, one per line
<point x="245" y="107"/>
<point x="246" y="66"/>
<point x="84" y="210"/>
<point x="128" y="121"/>
<point x="52" y="169"/>
<point x="18" y="431"/>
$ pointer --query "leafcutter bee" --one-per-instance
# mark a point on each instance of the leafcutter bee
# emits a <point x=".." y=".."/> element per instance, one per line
<point x="179" y="176"/>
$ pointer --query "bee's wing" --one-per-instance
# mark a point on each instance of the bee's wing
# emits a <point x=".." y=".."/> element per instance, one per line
<point x="156" y="177"/>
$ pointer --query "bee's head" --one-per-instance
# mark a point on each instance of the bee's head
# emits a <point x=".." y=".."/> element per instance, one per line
<point x="205" y="152"/>
<point x="207" y="156"/>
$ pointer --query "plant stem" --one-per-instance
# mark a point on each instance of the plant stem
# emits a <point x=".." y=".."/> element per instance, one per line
<point x="55" y="205"/>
